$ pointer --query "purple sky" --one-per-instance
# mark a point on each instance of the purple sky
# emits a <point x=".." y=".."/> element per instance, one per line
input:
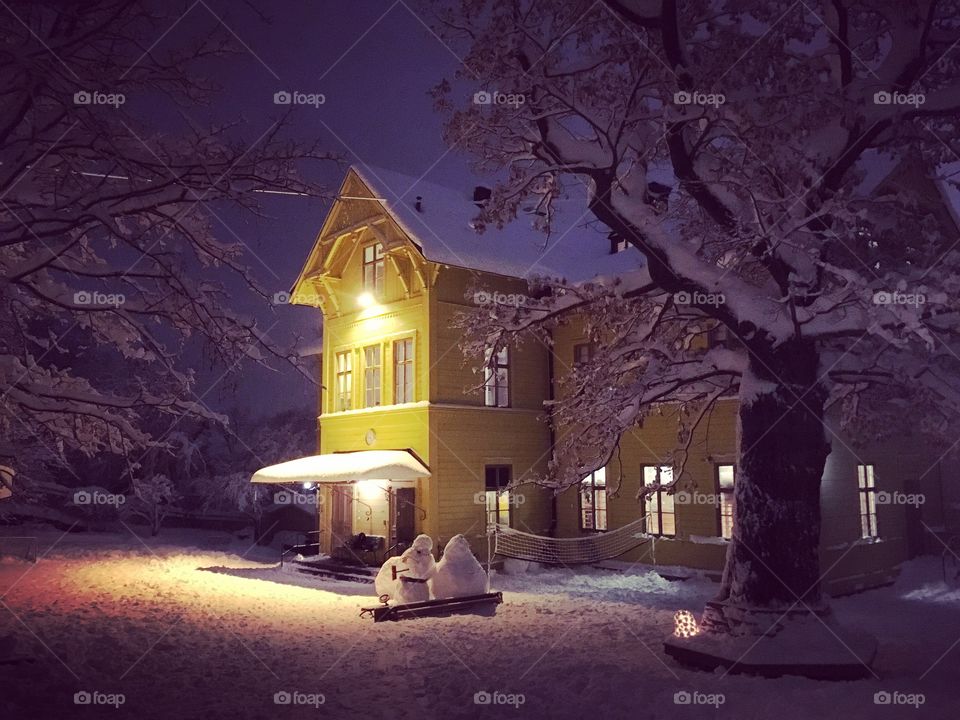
<point x="374" y="62"/>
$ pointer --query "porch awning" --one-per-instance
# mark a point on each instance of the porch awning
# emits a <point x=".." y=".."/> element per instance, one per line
<point x="345" y="467"/>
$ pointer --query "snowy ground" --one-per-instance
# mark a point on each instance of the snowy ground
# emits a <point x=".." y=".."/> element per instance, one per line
<point x="150" y="621"/>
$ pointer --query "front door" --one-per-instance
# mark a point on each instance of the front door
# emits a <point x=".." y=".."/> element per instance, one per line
<point x="405" y="521"/>
<point x="341" y="516"/>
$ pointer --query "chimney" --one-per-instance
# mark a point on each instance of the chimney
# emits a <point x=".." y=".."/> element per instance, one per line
<point x="617" y="243"/>
<point x="481" y="195"/>
<point x="418" y="204"/>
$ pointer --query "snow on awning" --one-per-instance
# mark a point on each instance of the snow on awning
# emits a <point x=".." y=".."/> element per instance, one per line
<point x="345" y="467"/>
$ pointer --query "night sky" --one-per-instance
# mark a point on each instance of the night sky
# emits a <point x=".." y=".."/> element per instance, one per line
<point x="374" y="62"/>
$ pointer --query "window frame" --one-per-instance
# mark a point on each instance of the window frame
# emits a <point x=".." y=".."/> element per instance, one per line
<point x="590" y="482"/>
<point x="659" y="495"/>
<point x="722" y="494"/>
<point x="343" y="381"/>
<point x="500" y="493"/>
<point x="375" y="267"/>
<point x="867" y="500"/>
<point x="491" y="379"/>
<point x="367" y="368"/>
<point x="591" y="350"/>
<point x="404" y="368"/>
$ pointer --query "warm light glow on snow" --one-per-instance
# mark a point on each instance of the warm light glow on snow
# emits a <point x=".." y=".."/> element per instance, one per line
<point x="685" y="624"/>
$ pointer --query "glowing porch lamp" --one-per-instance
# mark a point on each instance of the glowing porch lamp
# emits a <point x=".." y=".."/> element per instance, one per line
<point x="366" y="300"/>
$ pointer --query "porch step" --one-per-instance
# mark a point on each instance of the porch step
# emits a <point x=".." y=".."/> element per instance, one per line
<point x="336" y="570"/>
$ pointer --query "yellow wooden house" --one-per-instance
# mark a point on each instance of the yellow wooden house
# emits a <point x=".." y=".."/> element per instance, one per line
<point x="390" y="270"/>
<point x="395" y="262"/>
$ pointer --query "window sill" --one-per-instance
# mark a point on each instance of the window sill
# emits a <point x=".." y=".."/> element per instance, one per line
<point x="377" y="408"/>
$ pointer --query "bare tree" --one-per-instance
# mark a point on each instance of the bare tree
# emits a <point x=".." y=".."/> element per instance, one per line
<point x="112" y="262"/>
<point x="732" y="144"/>
<point x="234" y="456"/>
<point x="152" y="500"/>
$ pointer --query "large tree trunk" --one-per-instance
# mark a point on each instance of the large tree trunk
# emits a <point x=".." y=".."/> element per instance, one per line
<point x="773" y="559"/>
<point x="769" y="617"/>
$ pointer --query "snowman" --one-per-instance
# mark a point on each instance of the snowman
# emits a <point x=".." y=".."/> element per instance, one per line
<point x="412" y="570"/>
<point x="458" y="573"/>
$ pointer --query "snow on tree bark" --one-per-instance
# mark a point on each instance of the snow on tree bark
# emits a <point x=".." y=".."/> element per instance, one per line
<point x="774" y="553"/>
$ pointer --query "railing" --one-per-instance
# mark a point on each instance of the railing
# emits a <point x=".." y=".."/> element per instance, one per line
<point x="291" y="549"/>
<point x="423" y="512"/>
<point x="394" y="550"/>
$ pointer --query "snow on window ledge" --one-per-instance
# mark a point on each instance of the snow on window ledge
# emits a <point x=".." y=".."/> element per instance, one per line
<point x="858" y="541"/>
<point x="377" y="408"/>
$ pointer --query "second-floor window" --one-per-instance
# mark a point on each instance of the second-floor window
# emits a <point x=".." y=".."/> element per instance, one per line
<point x="593" y="501"/>
<point x="373" y="269"/>
<point x="725" y="478"/>
<point x="496" y="382"/>
<point x="658" y="505"/>
<point x="371" y="375"/>
<point x="344" y="384"/>
<point x="868" y="501"/>
<point x="403" y="371"/>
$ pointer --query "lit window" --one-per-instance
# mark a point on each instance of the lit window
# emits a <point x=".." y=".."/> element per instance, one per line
<point x="658" y="505"/>
<point x="344" y="384"/>
<point x="373" y="269"/>
<point x="497" y="496"/>
<point x="496" y="383"/>
<point x="868" y="501"/>
<point x="371" y="375"/>
<point x="403" y="371"/>
<point x="593" y="501"/>
<point x="725" y="478"/>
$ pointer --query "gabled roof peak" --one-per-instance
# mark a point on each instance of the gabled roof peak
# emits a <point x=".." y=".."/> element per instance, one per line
<point x="439" y="220"/>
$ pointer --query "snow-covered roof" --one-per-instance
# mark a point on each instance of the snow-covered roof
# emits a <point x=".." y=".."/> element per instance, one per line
<point x="442" y="229"/>
<point x="345" y="467"/>
<point x="878" y="167"/>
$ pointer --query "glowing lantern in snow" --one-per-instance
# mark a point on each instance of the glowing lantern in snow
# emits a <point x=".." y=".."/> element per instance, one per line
<point x="684" y="624"/>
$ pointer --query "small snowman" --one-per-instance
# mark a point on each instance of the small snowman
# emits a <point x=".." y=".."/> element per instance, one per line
<point x="411" y="571"/>
<point x="417" y="566"/>
<point x="458" y="573"/>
